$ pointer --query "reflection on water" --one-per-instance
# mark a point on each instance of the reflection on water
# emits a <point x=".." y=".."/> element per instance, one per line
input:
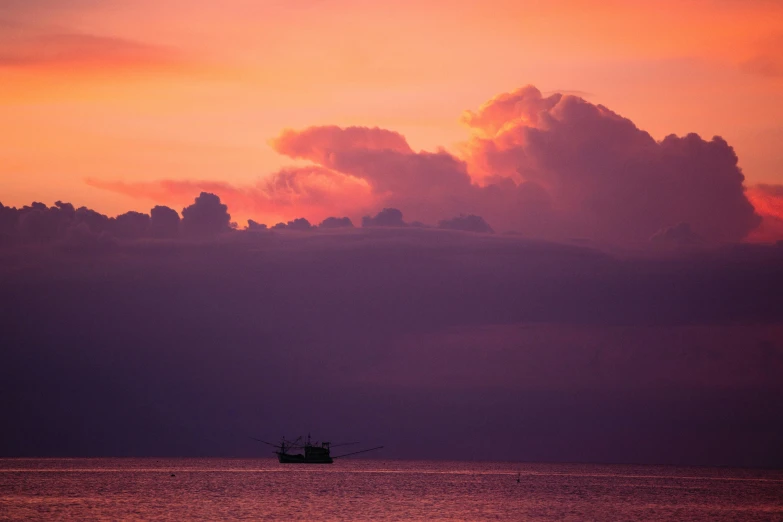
<point x="219" y="489"/>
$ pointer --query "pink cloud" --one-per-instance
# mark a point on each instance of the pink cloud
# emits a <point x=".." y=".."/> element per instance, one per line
<point x="318" y="144"/>
<point x="552" y="167"/>
<point x="289" y="193"/>
<point x="428" y="184"/>
<point x="608" y="179"/>
<point x="768" y="202"/>
<point x="82" y="50"/>
<point x="523" y="106"/>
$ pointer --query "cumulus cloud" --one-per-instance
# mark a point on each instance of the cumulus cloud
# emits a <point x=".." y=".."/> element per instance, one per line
<point x="388" y="217"/>
<point x="311" y="188"/>
<point x="335" y="222"/>
<point x="525" y="106"/>
<point x="300" y="224"/>
<point x="606" y="178"/>
<point x="8" y="222"/>
<point x="41" y="223"/>
<point x="37" y="223"/>
<point x="131" y="225"/>
<point x="426" y="183"/>
<point x="206" y="217"/>
<point x="548" y="167"/>
<point x="319" y="144"/>
<point x="164" y="222"/>
<point x="95" y="221"/>
<point x="254" y="226"/>
<point x="469" y="223"/>
<point x="555" y="166"/>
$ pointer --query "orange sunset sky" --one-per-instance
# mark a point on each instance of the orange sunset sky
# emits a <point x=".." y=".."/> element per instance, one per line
<point x="96" y="93"/>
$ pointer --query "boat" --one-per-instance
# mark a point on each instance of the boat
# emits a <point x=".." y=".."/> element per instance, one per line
<point x="314" y="452"/>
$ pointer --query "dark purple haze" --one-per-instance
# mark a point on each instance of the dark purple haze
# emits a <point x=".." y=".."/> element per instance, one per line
<point x="147" y="335"/>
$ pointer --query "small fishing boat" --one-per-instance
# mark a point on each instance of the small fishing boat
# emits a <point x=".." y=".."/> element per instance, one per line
<point x="314" y="452"/>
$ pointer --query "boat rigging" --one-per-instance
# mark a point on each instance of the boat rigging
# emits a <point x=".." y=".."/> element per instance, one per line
<point x="314" y="452"/>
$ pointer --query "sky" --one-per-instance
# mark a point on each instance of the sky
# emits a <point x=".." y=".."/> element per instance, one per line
<point x="534" y="231"/>
<point x="98" y="93"/>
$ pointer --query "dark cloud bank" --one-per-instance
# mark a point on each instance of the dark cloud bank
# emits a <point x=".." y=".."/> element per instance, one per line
<point x="65" y="226"/>
<point x="155" y="335"/>
<point x="416" y="326"/>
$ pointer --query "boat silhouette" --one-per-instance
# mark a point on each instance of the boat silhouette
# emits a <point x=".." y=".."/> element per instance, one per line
<point x="314" y="452"/>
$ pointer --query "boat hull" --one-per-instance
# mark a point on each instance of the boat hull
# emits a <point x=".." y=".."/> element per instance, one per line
<point x="285" y="458"/>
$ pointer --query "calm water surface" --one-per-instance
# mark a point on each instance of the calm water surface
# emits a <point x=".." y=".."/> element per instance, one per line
<point x="262" y="489"/>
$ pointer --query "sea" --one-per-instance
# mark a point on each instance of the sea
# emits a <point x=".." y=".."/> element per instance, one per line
<point x="366" y="489"/>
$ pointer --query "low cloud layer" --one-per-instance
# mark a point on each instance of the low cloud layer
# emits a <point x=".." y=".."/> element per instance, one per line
<point x="467" y="223"/>
<point x="205" y="218"/>
<point x="392" y="334"/>
<point x="550" y="167"/>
